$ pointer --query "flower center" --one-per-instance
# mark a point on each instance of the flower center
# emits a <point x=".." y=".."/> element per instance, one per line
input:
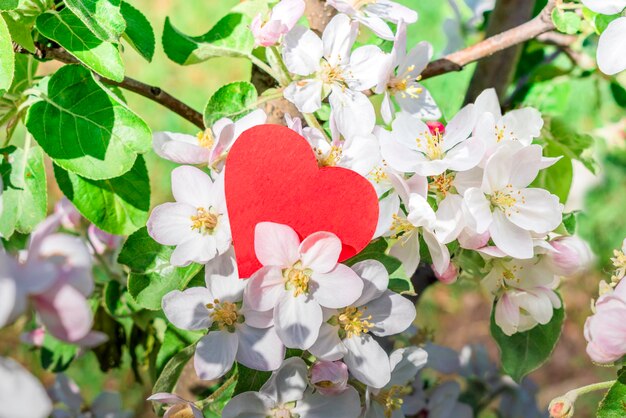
<point x="433" y="146"/>
<point x="206" y="139"/>
<point x="402" y="84"/>
<point x="333" y="157"/>
<point x="224" y="314"/>
<point x="501" y="133"/>
<point x="392" y="399"/>
<point x="619" y="262"/>
<point x="442" y="183"/>
<point x="282" y="411"/>
<point x="401" y="228"/>
<point x="378" y="175"/>
<point x="506" y="199"/>
<point x="297" y="279"/>
<point x="204" y="221"/>
<point x="331" y="75"/>
<point x="352" y="321"/>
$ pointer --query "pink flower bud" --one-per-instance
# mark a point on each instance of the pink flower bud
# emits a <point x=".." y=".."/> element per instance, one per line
<point x="283" y="18"/>
<point x="436" y="127"/>
<point x="605" y="331"/>
<point x="572" y="256"/>
<point x="102" y="241"/>
<point x="70" y="218"/>
<point x="472" y="240"/>
<point x="561" y="407"/>
<point x="449" y="276"/>
<point x="330" y="377"/>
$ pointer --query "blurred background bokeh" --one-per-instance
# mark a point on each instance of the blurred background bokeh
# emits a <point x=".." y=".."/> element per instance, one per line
<point x="459" y="314"/>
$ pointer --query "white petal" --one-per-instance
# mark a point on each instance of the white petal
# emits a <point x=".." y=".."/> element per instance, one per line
<point x="248" y="405"/>
<point x="288" y="12"/>
<point x="459" y="128"/>
<point x="198" y="249"/>
<point x="536" y="210"/>
<point x="8" y="290"/>
<point x="407" y="251"/>
<point x="192" y="186"/>
<point x="525" y="124"/>
<point x="338" y="37"/>
<point x="336" y="289"/>
<point x="320" y="251"/>
<point x="612" y="49"/>
<point x="450" y="219"/>
<point x="302" y="51"/>
<point x="386" y="108"/>
<point x="315" y="405"/>
<point x="487" y="102"/>
<point x="377" y="25"/>
<point x="423" y="106"/>
<point x="215" y="354"/>
<point x="367" y="361"/>
<point x="399" y="156"/>
<point x="65" y="312"/>
<point x="328" y="346"/>
<point x="254" y="118"/>
<point x="375" y="280"/>
<point x="387" y="207"/>
<point x="170" y="223"/>
<point x="507" y="315"/>
<point x="391" y="314"/>
<point x="605" y="7"/>
<point x="479" y="208"/>
<point x="510" y="238"/>
<point x="222" y="279"/>
<point x="406" y="128"/>
<point x="276" y="244"/>
<point x="352" y="112"/>
<point x="305" y="94"/>
<point x="259" y="349"/>
<point x="526" y="163"/>
<point x="438" y="252"/>
<point x="366" y="64"/>
<point x="258" y="319"/>
<point x="180" y="148"/>
<point x="264" y="288"/>
<point x="420" y="211"/>
<point x="361" y="154"/>
<point x="465" y="155"/>
<point x="392" y="11"/>
<point x="288" y="383"/>
<point x="405" y="363"/>
<point x="187" y="309"/>
<point x="21" y="394"/>
<point x="297" y="320"/>
<point x="416" y="60"/>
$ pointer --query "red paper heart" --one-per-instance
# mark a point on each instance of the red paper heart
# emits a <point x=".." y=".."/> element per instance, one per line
<point x="272" y="175"/>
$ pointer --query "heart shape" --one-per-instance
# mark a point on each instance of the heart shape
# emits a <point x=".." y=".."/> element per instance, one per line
<point x="272" y="175"/>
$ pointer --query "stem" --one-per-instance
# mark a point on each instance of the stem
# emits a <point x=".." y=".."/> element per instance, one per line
<point x="282" y="68"/>
<point x="591" y="388"/>
<point x="265" y="67"/>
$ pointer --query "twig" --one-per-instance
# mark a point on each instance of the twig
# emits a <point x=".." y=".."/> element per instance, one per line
<point x="153" y="93"/>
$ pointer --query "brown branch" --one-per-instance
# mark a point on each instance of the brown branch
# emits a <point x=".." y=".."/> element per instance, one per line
<point x="150" y="92"/>
<point x="458" y="60"/>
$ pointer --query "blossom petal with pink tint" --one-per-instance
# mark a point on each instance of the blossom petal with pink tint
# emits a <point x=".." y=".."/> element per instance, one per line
<point x="264" y="288"/>
<point x="338" y="288"/>
<point x="192" y="186"/>
<point x="320" y="251"/>
<point x="65" y="312"/>
<point x="170" y="223"/>
<point x="276" y="244"/>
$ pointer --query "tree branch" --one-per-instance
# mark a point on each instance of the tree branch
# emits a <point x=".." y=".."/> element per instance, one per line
<point x="458" y="60"/>
<point x="150" y="92"/>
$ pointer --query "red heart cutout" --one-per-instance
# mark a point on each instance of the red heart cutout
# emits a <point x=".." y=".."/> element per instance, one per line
<point x="272" y="175"/>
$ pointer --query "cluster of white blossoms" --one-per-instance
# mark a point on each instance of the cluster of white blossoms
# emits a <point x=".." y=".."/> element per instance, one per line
<point x="460" y="187"/>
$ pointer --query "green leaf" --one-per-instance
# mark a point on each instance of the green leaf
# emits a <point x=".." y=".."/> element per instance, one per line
<point x="570" y="220"/>
<point x="524" y="352"/>
<point x="72" y="34"/>
<point x="231" y="101"/>
<point x="250" y="379"/>
<point x="171" y="372"/>
<point x="614" y="403"/>
<point x="570" y="143"/>
<point x="214" y="409"/>
<point x="152" y="276"/>
<point x="174" y="341"/>
<point x="230" y="37"/>
<point x="139" y="32"/>
<point x="118" y="206"/>
<point x="103" y="17"/>
<point x="25" y="193"/>
<point x="566" y="22"/>
<point x="21" y="30"/>
<point x="557" y="179"/>
<point x="97" y="138"/>
<point x="8" y="4"/>
<point x="56" y="355"/>
<point x="115" y="299"/>
<point x="7" y="57"/>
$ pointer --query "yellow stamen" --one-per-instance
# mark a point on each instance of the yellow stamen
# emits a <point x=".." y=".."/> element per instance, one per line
<point x="184" y="411"/>
<point x="433" y="146"/>
<point x="402" y="85"/>
<point x="331" y="75"/>
<point x="506" y="199"/>
<point x="501" y="132"/>
<point x="204" y="221"/>
<point x="619" y="262"/>
<point x="206" y="139"/>
<point x="352" y="321"/>
<point x="401" y="228"/>
<point x="224" y="314"/>
<point x="442" y="183"/>
<point x="297" y="279"/>
<point x="378" y="174"/>
<point x="333" y="157"/>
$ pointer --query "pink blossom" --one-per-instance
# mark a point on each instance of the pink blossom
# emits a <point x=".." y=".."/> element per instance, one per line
<point x="572" y="255"/>
<point x="605" y="331"/>
<point x="70" y="218"/>
<point x="102" y="241"/>
<point x="330" y="377"/>
<point x="449" y="276"/>
<point x="282" y="19"/>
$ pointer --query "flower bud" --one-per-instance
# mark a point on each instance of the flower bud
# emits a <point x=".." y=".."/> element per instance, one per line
<point x="572" y="256"/>
<point x="449" y="276"/>
<point x="70" y="218"/>
<point x="330" y="377"/>
<point x="561" y="407"/>
<point x="101" y="240"/>
<point x="436" y="127"/>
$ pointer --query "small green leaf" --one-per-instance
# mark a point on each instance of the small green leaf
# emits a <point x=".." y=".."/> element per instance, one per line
<point x="230" y="37"/>
<point x="118" y="206"/>
<point x="139" y="32"/>
<point x="171" y="372"/>
<point x="21" y="30"/>
<point x="557" y="179"/>
<point x="174" y="341"/>
<point x="102" y="17"/>
<point x="566" y="22"/>
<point x="614" y="403"/>
<point x="570" y="143"/>
<point x="152" y="276"/>
<point x="7" y="57"/>
<point x="570" y="220"/>
<point x="231" y="101"/>
<point x="524" y="352"/>
<point x="250" y="379"/>
<point x="601" y="21"/>
<point x="72" y="34"/>
<point x="8" y="4"/>
<point x="25" y="194"/>
<point x="97" y="138"/>
<point x="56" y="355"/>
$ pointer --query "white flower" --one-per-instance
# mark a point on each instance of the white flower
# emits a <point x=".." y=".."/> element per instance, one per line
<point x="66" y="392"/>
<point x="347" y="332"/>
<point x="611" y="52"/>
<point x="282" y="19"/>
<point x="327" y="66"/>
<point x="605" y="7"/>
<point x="525" y="293"/>
<point x="241" y="335"/>
<point x="297" y="279"/>
<point x="414" y="147"/>
<point x="439" y="402"/>
<point x="506" y="207"/>
<point x="571" y="256"/>
<point x="387" y="402"/>
<point x="209" y="147"/>
<point x="21" y="394"/>
<point x="373" y="13"/>
<point x="197" y="223"/>
<point x="400" y="79"/>
<point x="493" y="128"/>
<point x="285" y="394"/>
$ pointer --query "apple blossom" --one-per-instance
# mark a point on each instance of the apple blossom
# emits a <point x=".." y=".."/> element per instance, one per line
<point x="209" y="147"/>
<point x="374" y="13"/>
<point x="400" y="79"/>
<point x="571" y="256"/>
<point x="439" y="402"/>
<point x="327" y="66"/>
<point x="611" y="47"/>
<point x="21" y="394"/>
<point x="70" y="217"/>
<point x="413" y="147"/>
<point x="605" y="330"/>
<point x="282" y="19"/>
<point x="348" y="332"/>
<point x="239" y="334"/>
<point x="298" y="279"/>
<point x="197" y="223"/>
<point x="505" y="206"/>
<point x="449" y="276"/>
<point x="102" y="241"/>
<point x="329" y="377"/>
<point x="177" y="406"/>
<point x="286" y="394"/>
